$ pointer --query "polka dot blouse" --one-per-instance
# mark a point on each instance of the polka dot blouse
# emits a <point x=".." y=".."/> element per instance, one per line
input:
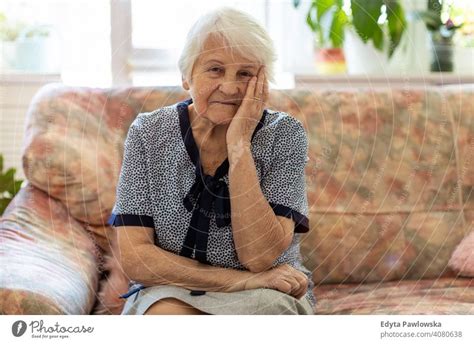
<point x="162" y="186"/>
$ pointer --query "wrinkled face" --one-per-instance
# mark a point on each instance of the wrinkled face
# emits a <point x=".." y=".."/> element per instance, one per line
<point x="219" y="81"/>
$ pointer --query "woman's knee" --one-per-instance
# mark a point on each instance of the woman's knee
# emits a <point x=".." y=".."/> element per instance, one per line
<point x="172" y="306"/>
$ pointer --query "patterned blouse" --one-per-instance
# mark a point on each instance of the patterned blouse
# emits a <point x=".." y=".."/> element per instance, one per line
<point x="162" y="186"/>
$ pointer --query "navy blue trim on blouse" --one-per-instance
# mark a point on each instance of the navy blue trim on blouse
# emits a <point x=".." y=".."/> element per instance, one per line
<point x="301" y="221"/>
<point x="117" y="220"/>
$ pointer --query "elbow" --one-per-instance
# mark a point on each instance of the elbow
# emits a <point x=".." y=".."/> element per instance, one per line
<point x="264" y="262"/>
<point x="258" y="265"/>
<point x="258" y="268"/>
<point x="259" y="262"/>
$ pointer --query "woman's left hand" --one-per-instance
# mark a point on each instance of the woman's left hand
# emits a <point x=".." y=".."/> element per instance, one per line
<point x="250" y="111"/>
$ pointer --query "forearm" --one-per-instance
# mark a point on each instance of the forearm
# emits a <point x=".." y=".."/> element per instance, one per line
<point x="258" y="236"/>
<point x="152" y="265"/>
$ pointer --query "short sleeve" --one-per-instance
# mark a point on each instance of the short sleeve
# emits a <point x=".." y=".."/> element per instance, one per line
<point x="284" y="184"/>
<point x="132" y="204"/>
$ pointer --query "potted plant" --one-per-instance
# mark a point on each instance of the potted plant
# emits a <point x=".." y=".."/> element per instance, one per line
<point x="26" y="47"/>
<point x="381" y="22"/>
<point x="34" y="49"/>
<point x="441" y="35"/>
<point x="9" y="186"/>
<point x="326" y="19"/>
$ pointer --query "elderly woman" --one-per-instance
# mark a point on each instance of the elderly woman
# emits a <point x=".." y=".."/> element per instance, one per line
<point x="211" y="197"/>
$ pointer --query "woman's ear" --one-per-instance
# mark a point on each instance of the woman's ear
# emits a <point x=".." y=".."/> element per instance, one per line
<point x="185" y="83"/>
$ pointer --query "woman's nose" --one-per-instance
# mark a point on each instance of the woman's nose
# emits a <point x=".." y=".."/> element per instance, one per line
<point x="230" y="86"/>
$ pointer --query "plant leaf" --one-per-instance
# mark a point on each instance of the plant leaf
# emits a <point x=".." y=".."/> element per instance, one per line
<point x="7" y="180"/>
<point x="15" y="187"/>
<point x="337" y="28"/>
<point x="310" y="18"/>
<point x="396" y="25"/>
<point x="365" y="15"/>
<point x="3" y="204"/>
<point x="378" y="39"/>
<point x="1" y="163"/>
<point x="296" y="3"/>
<point x="322" y="6"/>
<point x="325" y="18"/>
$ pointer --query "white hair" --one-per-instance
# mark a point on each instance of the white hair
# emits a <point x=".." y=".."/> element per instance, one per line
<point x="240" y="32"/>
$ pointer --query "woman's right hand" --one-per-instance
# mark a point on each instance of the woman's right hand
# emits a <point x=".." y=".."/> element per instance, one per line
<point x="284" y="278"/>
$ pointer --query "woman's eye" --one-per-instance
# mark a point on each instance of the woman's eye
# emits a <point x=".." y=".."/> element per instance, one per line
<point x="215" y="69"/>
<point x="246" y="74"/>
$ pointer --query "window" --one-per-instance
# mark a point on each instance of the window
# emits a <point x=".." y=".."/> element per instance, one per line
<point x="105" y="43"/>
<point x="80" y="38"/>
<point x="159" y="30"/>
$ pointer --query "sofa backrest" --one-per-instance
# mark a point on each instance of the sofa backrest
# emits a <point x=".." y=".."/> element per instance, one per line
<point x="388" y="180"/>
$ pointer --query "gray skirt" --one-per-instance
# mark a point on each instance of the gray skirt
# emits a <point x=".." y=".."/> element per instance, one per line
<point x="245" y="302"/>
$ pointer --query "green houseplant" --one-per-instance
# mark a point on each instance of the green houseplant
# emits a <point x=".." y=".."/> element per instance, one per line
<point x="24" y="46"/>
<point x="327" y="14"/>
<point x="380" y="21"/>
<point x="9" y="186"/>
<point x="441" y="34"/>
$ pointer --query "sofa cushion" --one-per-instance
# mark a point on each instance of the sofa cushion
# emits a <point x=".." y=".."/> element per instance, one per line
<point x="461" y="100"/>
<point x="382" y="183"/>
<point x="380" y="247"/>
<point x="45" y="252"/>
<point x="436" y="296"/>
<point x="18" y="301"/>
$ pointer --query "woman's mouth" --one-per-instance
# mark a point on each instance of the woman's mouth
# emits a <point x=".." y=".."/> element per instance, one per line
<point x="224" y="103"/>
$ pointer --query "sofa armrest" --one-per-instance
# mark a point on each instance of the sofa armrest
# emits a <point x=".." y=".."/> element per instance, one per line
<point x="48" y="261"/>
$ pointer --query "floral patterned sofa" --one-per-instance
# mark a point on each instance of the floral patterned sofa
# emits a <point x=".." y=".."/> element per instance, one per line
<point x="389" y="182"/>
